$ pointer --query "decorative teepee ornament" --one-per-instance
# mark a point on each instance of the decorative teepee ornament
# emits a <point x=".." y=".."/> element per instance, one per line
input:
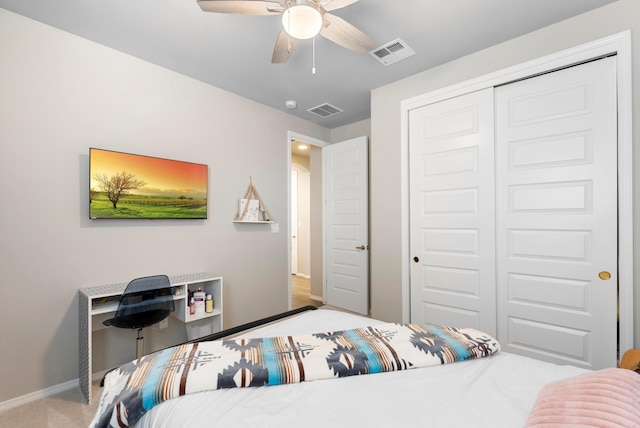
<point x="251" y="207"/>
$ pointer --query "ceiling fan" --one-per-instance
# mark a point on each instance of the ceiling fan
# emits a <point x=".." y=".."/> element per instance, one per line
<point x="301" y="19"/>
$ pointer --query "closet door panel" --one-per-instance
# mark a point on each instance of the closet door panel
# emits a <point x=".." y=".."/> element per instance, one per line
<point x="452" y="212"/>
<point x="556" y="185"/>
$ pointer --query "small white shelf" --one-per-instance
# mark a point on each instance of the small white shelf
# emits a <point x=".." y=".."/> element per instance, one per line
<point x="252" y="207"/>
<point x="211" y="285"/>
<point x="202" y="316"/>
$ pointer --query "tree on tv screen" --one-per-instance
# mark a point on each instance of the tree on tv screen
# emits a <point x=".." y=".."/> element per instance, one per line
<point x="118" y="185"/>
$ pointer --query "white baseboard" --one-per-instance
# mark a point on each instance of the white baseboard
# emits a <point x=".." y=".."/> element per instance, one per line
<point x="302" y="275"/>
<point x="37" y="395"/>
<point x="316" y="298"/>
<point x="47" y="392"/>
<point x="98" y="375"/>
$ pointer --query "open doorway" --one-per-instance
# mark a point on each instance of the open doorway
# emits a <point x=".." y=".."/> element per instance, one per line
<point x="305" y="222"/>
<point x="338" y="255"/>
<point x="300" y="225"/>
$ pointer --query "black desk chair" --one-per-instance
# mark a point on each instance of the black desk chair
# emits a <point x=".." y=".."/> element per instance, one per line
<point x="145" y="301"/>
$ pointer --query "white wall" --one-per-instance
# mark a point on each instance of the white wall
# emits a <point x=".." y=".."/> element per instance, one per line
<point x="386" y="296"/>
<point x="353" y="130"/>
<point x="301" y="165"/>
<point x="60" y="95"/>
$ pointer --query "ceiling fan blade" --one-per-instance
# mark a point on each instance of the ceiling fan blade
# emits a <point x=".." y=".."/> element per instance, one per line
<point x="344" y="34"/>
<point x="284" y="47"/>
<point x="246" y="7"/>
<point x="335" y="4"/>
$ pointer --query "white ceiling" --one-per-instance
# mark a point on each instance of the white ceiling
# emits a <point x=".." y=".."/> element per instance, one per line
<point x="233" y="52"/>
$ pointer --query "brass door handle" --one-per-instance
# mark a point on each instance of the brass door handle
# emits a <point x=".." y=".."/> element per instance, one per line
<point x="604" y="275"/>
<point x="361" y="247"/>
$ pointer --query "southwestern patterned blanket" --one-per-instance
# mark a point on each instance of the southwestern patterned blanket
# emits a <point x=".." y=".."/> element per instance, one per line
<point x="133" y="389"/>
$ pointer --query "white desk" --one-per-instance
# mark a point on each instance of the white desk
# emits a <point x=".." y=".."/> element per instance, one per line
<point x="96" y="302"/>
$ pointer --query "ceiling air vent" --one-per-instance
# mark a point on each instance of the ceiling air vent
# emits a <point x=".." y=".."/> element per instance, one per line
<point x="324" y="110"/>
<point x="394" y="51"/>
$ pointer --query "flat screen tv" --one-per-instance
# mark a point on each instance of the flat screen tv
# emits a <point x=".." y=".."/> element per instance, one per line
<point x="129" y="186"/>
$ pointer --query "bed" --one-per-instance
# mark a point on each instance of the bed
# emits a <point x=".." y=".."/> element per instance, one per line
<point x="499" y="390"/>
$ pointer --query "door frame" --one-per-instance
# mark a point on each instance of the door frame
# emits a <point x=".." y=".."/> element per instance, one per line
<point x="617" y="44"/>
<point x="291" y="137"/>
<point x="292" y="224"/>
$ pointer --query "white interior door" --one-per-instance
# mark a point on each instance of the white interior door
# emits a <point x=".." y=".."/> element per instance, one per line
<point x="294" y="222"/>
<point x="345" y="169"/>
<point x="451" y="163"/>
<point x="556" y="173"/>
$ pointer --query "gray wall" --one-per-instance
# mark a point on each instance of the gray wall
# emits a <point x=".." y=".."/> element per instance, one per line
<point x="386" y="221"/>
<point x="60" y="95"/>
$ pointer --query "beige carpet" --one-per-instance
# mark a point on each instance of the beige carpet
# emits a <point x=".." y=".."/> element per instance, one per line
<point x="63" y="410"/>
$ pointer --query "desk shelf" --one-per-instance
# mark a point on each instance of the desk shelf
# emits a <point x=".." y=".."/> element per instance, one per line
<point x="104" y="308"/>
<point x="202" y="316"/>
<point x="96" y="302"/>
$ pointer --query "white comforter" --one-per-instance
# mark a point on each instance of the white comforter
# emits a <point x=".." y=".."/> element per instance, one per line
<point x="497" y="391"/>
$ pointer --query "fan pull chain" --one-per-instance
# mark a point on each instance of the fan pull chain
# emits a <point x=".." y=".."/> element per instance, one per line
<point x="313" y="60"/>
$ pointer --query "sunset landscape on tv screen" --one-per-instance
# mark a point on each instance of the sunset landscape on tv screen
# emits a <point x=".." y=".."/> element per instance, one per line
<point x="129" y="186"/>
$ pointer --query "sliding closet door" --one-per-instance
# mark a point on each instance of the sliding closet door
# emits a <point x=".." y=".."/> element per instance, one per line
<point x="556" y="185"/>
<point x="452" y="212"/>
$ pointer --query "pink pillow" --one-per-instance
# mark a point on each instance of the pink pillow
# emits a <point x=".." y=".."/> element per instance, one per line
<point x="608" y="398"/>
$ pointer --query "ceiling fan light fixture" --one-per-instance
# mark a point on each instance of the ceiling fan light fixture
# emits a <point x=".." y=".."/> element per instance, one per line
<point x="302" y="20"/>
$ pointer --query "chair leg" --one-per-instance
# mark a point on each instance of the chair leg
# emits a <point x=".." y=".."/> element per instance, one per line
<point x="139" y="353"/>
<point x="139" y="344"/>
